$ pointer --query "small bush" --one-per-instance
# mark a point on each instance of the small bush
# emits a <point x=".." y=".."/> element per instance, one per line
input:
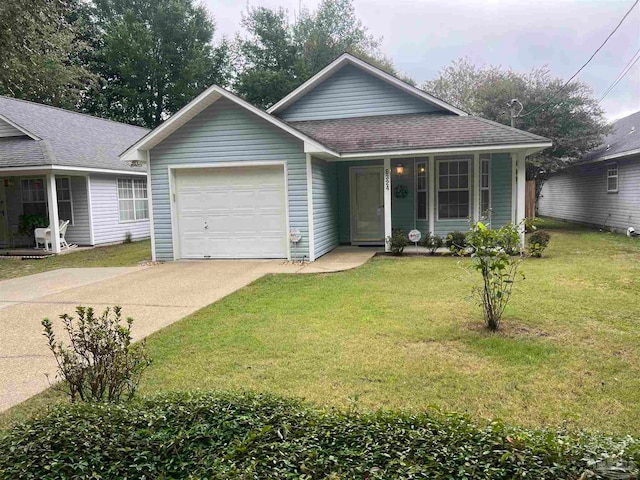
<point x="432" y="243"/>
<point x="231" y="436"/>
<point x="28" y="223"/>
<point x="397" y="241"/>
<point x="457" y="242"/>
<point x="492" y="259"/>
<point x="127" y="238"/>
<point x="538" y="242"/>
<point x="102" y="364"/>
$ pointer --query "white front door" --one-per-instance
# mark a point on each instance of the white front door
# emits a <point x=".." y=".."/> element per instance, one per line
<point x="367" y="205"/>
<point x="4" y="220"/>
<point x="231" y="212"/>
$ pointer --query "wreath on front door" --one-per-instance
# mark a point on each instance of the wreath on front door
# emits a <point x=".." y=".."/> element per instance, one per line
<point x="401" y="191"/>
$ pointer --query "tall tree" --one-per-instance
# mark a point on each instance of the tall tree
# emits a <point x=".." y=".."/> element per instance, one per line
<point x="152" y="57"/>
<point x="279" y="55"/>
<point x="572" y="118"/>
<point x="40" y="48"/>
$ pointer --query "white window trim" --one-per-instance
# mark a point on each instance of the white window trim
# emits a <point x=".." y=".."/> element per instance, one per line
<point x="70" y="201"/>
<point x="488" y="187"/>
<point x="425" y="190"/>
<point x="616" y="176"/>
<point x="132" y="180"/>
<point x="438" y="190"/>
<point x="44" y="189"/>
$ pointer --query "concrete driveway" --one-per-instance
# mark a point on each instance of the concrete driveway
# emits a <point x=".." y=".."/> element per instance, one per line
<point x="155" y="296"/>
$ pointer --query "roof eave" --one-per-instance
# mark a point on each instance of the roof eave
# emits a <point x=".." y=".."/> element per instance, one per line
<point x="529" y="148"/>
<point x="347" y="58"/>
<point x="614" y="156"/>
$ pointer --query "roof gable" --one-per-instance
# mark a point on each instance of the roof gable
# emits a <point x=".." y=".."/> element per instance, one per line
<point x="350" y="87"/>
<point x="136" y="152"/>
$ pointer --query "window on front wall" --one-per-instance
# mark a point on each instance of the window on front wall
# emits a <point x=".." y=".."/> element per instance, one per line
<point x="65" y="202"/>
<point x="485" y="185"/>
<point x="421" y="190"/>
<point x="453" y="189"/>
<point x="34" y="200"/>
<point x="612" y="177"/>
<point x="132" y="199"/>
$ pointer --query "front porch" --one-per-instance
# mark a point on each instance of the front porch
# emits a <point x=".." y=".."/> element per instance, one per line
<point x="29" y="194"/>
<point x="360" y="202"/>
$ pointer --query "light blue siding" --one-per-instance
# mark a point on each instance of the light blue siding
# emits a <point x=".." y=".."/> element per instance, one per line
<point x="107" y="227"/>
<point x="79" y="233"/>
<point x="325" y="207"/>
<point x="500" y="189"/>
<point x="351" y="92"/>
<point x="226" y="132"/>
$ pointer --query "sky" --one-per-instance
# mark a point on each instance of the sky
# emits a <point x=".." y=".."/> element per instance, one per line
<point x="424" y="36"/>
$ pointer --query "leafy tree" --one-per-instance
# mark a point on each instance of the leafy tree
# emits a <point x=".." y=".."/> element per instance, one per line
<point x="40" y="48"/>
<point x="573" y="119"/>
<point x="153" y="57"/>
<point x="280" y="55"/>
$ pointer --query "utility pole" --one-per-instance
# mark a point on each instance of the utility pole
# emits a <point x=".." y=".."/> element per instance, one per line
<point x="513" y="104"/>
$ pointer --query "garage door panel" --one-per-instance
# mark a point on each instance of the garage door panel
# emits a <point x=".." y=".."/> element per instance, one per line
<point x="232" y="212"/>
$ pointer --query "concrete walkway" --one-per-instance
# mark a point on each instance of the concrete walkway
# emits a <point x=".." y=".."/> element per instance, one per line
<point x="155" y="296"/>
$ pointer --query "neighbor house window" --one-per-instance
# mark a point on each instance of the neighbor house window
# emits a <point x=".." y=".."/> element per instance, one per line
<point x="421" y="190"/>
<point x="485" y="188"/>
<point x="453" y="189"/>
<point x="612" y="177"/>
<point x="33" y="197"/>
<point x="132" y="199"/>
<point x="65" y="202"/>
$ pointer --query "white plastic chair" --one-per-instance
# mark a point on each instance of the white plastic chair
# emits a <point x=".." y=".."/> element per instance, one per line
<point x="43" y="235"/>
<point x="63" y="231"/>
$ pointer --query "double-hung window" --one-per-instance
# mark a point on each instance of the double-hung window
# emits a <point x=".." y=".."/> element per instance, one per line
<point x="132" y="199"/>
<point x="453" y="188"/>
<point x="485" y="185"/>
<point x="421" y="191"/>
<point x="65" y="202"/>
<point x="612" y="178"/>
<point x="34" y="201"/>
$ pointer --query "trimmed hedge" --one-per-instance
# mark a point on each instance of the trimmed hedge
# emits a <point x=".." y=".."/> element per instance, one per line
<point x="224" y="435"/>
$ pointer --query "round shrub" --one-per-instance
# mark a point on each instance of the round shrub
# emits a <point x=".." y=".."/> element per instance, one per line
<point x="225" y="435"/>
<point x="432" y="243"/>
<point x="538" y="241"/>
<point x="456" y="242"/>
<point x="397" y="241"/>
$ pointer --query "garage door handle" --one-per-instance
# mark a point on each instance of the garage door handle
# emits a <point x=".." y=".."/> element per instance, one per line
<point x="206" y="225"/>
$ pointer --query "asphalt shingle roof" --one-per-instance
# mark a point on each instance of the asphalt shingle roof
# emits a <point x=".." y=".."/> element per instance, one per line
<point x="625" y="137"/>
<point x="68" y="138"/>
<point x="411" y="131"/>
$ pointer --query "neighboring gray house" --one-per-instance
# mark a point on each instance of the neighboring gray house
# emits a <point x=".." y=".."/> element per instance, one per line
<point x="54" y="157"/>
<point x="604" y="188"/>
<point x="349" y="155"/>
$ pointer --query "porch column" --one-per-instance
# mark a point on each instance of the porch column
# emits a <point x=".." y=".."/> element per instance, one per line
<point x="476" y="187"/>
<point x="312" y="234"/>
<point x="432" y="195"/>
<point x="522" y="182"/>
<point x="514" y="189"/>
<point x="54" y="222"/>
<point x="387" y="203"/>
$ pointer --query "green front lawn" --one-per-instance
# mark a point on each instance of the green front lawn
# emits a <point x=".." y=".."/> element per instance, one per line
<point x="122" y="255"/>
<point x="400" y="333"/>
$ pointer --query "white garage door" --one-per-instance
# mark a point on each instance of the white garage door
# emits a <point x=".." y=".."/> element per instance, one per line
<point x="234" y="212"/>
